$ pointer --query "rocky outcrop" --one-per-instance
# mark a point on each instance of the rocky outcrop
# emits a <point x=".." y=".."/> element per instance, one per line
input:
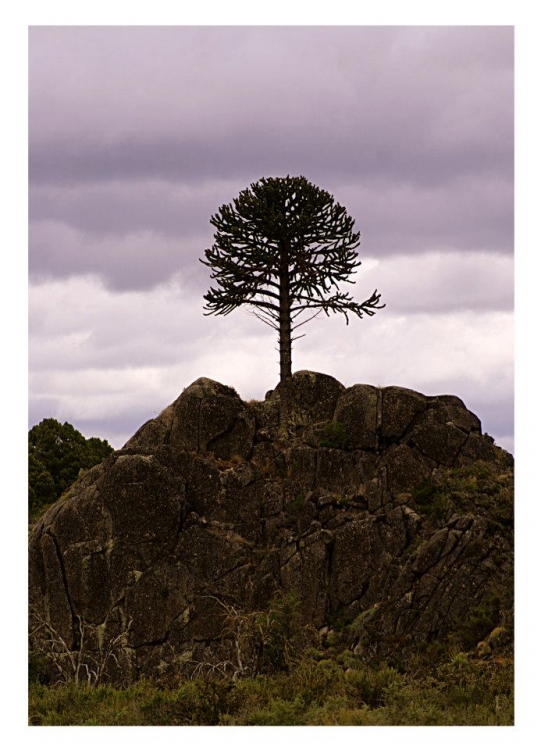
<point x="365" y="511"/>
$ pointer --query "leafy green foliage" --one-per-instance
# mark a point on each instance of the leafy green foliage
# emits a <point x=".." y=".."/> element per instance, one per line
<point x="282" y="631"/>
<point x="56" y="454"/>
<point x="317" y="691"/>
<point x="297" y="504"/>
<point x="295" y="510"/>
<point x="495" y="610"/>
<point x="37" y="669"/>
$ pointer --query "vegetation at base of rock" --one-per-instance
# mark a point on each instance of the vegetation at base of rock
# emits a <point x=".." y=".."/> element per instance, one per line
<point x="316" y="691"/>
<point x="56" y="454"/>
<point x="489" y="621"/>
<point x="288" y="674"/>
<point x="266" y="641"/>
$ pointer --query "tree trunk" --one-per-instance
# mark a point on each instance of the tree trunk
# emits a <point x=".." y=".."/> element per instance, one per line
<point x="284" y="341"/>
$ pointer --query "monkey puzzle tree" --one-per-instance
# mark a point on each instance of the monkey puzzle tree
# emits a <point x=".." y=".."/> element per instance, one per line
<point x="283" y="248"/>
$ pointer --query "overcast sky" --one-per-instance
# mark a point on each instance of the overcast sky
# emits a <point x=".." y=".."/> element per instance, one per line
<point x="137" y="135"/>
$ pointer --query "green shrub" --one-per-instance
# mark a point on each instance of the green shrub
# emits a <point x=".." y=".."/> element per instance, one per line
<point x="458" y="690"/>
<point x="282" y="636"/>
<point x="37" y="669"/>
<point x="335" y="436"/>
<point x="267" y="641"/>
<point x="372" y="685"/>
<point x="297" y="504"/>
<point x="279" y="713"/>
<point x="493" y="611"/>
<point x="480" y="485"/>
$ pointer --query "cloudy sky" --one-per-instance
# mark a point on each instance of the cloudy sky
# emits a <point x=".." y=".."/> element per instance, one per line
<point x="137" y="135"/>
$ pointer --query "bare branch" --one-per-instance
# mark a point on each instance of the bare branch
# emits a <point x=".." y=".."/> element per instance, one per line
<point x="74" y="665"/>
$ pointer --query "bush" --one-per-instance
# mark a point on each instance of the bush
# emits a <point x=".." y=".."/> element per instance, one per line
<point x="372" y="684"/>
<point x="458" y="690"/>
<point x="41" y="489"/>
<point x="480" y="485"/>
<point x="335" y="436"/>
<point x="267" y="641"/>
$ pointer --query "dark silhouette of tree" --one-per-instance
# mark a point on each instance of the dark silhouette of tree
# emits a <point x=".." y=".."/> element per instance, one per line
<point x="284" y="247"/>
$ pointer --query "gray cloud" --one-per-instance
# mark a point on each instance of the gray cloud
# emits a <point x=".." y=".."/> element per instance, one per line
<point x="410" y="104"/>
<point x="431" y="83"/>
<point x="388" y="152"/>
<point x="473" y="213"/>
<point x="143" y="132"/>
<point x="141" y="260"/>
<point x="442" y="282"/>
<point x="174" y="210"/>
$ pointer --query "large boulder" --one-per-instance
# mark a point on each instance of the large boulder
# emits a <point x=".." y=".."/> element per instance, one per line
<point x="207" y="417"/>
<point x="384" y="507"/>
<point x="399" y="407"/>
<point x="312" y="396"/>
<point x="357" y="409"/>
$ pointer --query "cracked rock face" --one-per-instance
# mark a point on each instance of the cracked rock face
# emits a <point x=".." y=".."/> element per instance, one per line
<point x="205" y="505"/>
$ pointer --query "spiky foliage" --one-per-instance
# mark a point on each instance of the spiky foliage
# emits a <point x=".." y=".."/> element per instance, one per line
<point x="284" y="247"/>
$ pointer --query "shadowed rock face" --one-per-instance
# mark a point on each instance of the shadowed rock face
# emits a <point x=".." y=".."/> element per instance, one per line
<point x="205" y="505"/>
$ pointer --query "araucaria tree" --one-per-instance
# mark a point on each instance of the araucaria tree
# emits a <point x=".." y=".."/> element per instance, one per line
<point x="284" y="247"/>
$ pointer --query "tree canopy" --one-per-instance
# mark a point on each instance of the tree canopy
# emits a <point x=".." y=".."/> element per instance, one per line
<point x="56" y="454"/>
<point x="284" y="247"/>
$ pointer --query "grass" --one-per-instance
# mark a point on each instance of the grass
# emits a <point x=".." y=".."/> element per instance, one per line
<point x="481" y="486"/>
<point x="459" y="690"/>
